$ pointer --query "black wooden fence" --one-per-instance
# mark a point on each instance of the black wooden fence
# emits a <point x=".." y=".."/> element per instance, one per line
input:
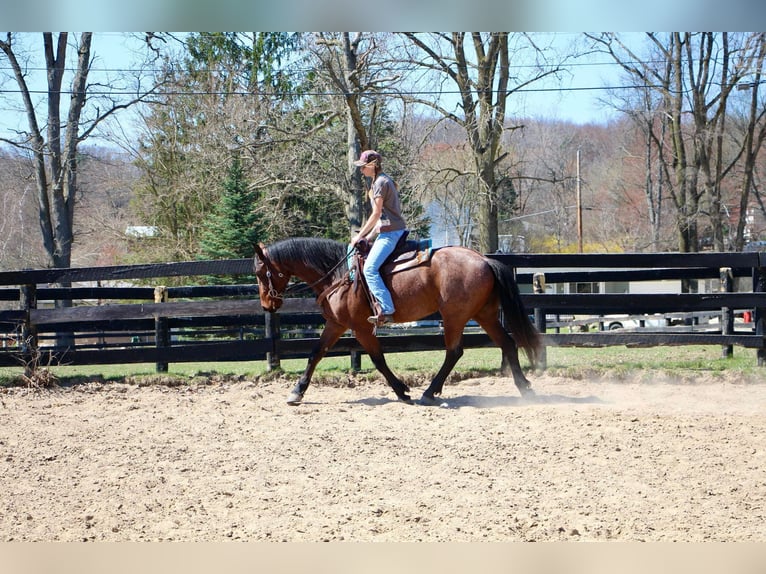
<point x="114" y="325"/>
<point x="731" y="270"/>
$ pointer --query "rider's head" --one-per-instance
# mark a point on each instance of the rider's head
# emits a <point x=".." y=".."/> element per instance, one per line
<point x="369" y="159"/>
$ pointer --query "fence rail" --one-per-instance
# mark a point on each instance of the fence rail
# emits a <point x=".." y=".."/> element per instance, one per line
<point x="110" y="325"/>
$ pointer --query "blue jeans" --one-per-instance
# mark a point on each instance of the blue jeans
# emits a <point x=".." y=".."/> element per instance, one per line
<point x="382" y="247"/>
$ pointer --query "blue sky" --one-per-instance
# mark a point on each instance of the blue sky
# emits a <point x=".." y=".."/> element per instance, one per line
<point x="574" y="98"/>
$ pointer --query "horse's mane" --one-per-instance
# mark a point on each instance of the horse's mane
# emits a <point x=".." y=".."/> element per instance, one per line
<point x="322" y="255"/>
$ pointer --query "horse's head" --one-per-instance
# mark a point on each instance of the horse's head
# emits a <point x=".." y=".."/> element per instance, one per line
<point x="272" y="281"/>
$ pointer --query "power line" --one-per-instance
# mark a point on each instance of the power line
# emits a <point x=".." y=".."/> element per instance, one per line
<point x="243" y="93"/>
<point x="303" y="70"/>
<point x="126" y="92"/>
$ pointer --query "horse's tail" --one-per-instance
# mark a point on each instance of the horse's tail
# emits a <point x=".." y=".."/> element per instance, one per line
<point x="523" y="330"/>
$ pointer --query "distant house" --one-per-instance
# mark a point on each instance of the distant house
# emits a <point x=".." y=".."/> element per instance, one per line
<point x="140" y="231"/>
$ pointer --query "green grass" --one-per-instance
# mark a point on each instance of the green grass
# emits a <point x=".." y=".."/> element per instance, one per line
<point x="682" y="361"/>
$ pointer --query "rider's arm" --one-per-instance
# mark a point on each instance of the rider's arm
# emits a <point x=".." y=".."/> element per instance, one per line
<point x="369" y="229"/>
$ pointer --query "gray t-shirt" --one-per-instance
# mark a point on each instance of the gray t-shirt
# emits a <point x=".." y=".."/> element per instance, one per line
<point x="384" y="187"/>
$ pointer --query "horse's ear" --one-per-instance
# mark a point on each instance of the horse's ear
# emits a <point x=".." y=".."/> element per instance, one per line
<point x="259" y="247"/>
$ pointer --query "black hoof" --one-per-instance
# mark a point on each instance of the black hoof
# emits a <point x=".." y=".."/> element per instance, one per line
<point x="294" y="399"/>
<point x="429" y="401"/>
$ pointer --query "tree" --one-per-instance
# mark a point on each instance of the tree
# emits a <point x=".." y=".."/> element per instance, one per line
<point x="52" y="137"/>
<point x="354" y="72"/>
<point x="229" y="94"/>
<point x="694" y="76"/>
<point x="750" y="135"/>
<point x="56" y="158"/>
<point x="182" y="157"/>
<point x="478" y="65"/>
<point x="350" y="65"/>
<point x="234" y="227"/>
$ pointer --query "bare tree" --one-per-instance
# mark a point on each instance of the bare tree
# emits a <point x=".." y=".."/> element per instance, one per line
<point x="350" y="64"/>
<point x="478" y="66"/>
<point x="663" y="73"/>
<point x="52" y="137"/>
<point x="694" y="76"/>
<point x="750" y="135"/>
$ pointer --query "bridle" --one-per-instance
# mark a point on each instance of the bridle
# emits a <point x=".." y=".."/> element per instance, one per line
<point x="270" y="271"/>
<point x="273" y="293"/>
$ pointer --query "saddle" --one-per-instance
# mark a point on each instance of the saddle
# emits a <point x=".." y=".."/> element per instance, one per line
<point x="408" y="253"/>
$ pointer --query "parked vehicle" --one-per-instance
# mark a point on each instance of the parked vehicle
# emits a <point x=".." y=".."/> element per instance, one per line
<point x="614" y="322"/>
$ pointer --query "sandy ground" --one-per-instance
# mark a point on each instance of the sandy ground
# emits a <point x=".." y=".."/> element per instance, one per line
<point x="585" y="460"/>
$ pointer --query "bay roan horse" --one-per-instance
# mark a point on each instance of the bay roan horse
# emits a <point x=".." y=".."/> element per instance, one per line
<point x="459" y="283"/>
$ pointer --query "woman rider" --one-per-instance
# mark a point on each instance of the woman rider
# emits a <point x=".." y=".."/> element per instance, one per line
<point x="387" y="222"/>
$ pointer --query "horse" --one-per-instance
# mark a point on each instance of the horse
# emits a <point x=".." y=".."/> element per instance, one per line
<point x="458" y="282"/>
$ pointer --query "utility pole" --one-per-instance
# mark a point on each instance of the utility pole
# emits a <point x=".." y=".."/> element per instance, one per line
<point x="579" y="206"/>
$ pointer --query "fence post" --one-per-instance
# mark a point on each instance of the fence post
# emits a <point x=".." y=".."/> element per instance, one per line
<point x="538" y="286"/>
<point x="161" y="330"/>
<point x="356" y="361"/>
<point x="759" y="286"/>
<point x="727" y="316"/>
<point x="28" y="342"/>
<point x="274" y="335"/>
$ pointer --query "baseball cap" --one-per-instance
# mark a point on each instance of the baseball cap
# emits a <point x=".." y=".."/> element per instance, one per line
<point x="367" y="156"/>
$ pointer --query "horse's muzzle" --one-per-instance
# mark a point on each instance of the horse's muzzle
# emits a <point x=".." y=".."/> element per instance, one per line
<point x="272" y="306"/>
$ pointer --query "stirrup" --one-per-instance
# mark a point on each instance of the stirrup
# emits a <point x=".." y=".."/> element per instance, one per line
<point x="381" y="319"/>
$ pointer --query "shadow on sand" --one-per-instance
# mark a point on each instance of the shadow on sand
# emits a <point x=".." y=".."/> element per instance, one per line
<point x="488" y="402"/>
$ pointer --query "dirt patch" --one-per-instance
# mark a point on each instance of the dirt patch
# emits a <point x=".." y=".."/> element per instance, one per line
<point x="585" y="460"/>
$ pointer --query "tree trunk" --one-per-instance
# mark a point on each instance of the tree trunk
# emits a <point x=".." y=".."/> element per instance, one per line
<point x="752" y="142"/>
<point x="488" y="208"/>
<point x="56" y="159"/>
<point x="482" y="82"/>
<point x="357" y="137"/>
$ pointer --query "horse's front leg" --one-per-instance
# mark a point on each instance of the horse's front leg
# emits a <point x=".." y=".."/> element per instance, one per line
<point x="330" y="335"/>
<point x="371" y="344"/>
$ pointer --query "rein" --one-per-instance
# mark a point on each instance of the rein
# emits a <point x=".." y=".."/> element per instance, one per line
<point x="299" y="288"/>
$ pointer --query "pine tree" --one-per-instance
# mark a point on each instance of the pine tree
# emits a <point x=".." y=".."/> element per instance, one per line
<point x="234" y="226"/>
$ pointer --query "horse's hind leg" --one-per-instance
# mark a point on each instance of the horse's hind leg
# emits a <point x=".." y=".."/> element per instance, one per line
<point x="330" y="335"/>
<point x="491" y="324"/>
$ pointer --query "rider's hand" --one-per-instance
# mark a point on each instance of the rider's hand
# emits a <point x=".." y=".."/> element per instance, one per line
<point x="360" y="244"/>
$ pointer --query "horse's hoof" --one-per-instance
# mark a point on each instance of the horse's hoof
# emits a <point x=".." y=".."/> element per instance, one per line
<point x="427" y="401"/>
<point x="294" y="399"/>
<point x="405" y="398"/>
<point x="528" y="393"/>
